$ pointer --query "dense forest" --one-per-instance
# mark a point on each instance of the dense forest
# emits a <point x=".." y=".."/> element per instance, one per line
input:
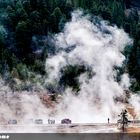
<point x="27" y="25"/>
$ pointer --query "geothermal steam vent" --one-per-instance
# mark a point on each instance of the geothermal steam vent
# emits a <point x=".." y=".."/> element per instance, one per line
<point x="98" y="46"/>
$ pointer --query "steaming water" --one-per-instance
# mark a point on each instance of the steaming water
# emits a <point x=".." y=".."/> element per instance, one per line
<point x="98" y="46"/>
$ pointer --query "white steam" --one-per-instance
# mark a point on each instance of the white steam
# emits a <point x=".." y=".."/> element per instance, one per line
<point x="97" y="46"/>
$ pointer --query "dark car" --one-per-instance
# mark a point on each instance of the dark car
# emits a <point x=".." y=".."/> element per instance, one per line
<point x="66" y="121"/>
<point x="12" y="122"/>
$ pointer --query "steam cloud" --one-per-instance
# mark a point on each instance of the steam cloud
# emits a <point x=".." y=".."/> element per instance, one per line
<point x="98" y="46"/>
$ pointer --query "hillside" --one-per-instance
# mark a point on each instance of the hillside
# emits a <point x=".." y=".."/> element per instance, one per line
<point x="27" y="26"/>
<point x="69" y="59"/>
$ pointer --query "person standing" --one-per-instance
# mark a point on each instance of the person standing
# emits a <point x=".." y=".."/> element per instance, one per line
<point x="108" y="120"/>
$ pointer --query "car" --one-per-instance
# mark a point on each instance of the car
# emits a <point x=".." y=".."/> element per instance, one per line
<point x="51" y="121"/>
<point x="12" y="122"/>
<point x="38" y="121"/>
<point x="66" y="121"/>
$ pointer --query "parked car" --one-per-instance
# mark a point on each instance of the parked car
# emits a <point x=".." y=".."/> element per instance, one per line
<point x="66" y="121"/>
<point x="38" y="121"/>
<point x="12" y="122"/>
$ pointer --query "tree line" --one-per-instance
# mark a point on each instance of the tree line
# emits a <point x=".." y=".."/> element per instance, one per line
<point x="24" y="25"/>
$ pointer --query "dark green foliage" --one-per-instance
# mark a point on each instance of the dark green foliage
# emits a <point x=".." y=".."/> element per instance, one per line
<point x="23" y="19"/>
<point x="2" y="43"/>
<point x="39" y="67"/>
<point x="55" y="18"/>
<point x="70" y="76"/>
<point x="22" y="71"/>
<point x="23" y="39"/>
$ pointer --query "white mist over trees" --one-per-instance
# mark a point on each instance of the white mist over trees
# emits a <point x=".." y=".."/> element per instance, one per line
<point x="29" y="23"/>
<point x="99" y="47"/>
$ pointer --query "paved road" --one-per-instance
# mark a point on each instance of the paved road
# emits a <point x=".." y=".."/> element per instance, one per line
<point x="59" y="128"/>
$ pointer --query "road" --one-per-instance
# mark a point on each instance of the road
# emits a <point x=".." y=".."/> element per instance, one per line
<point x="67" y="128"/>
